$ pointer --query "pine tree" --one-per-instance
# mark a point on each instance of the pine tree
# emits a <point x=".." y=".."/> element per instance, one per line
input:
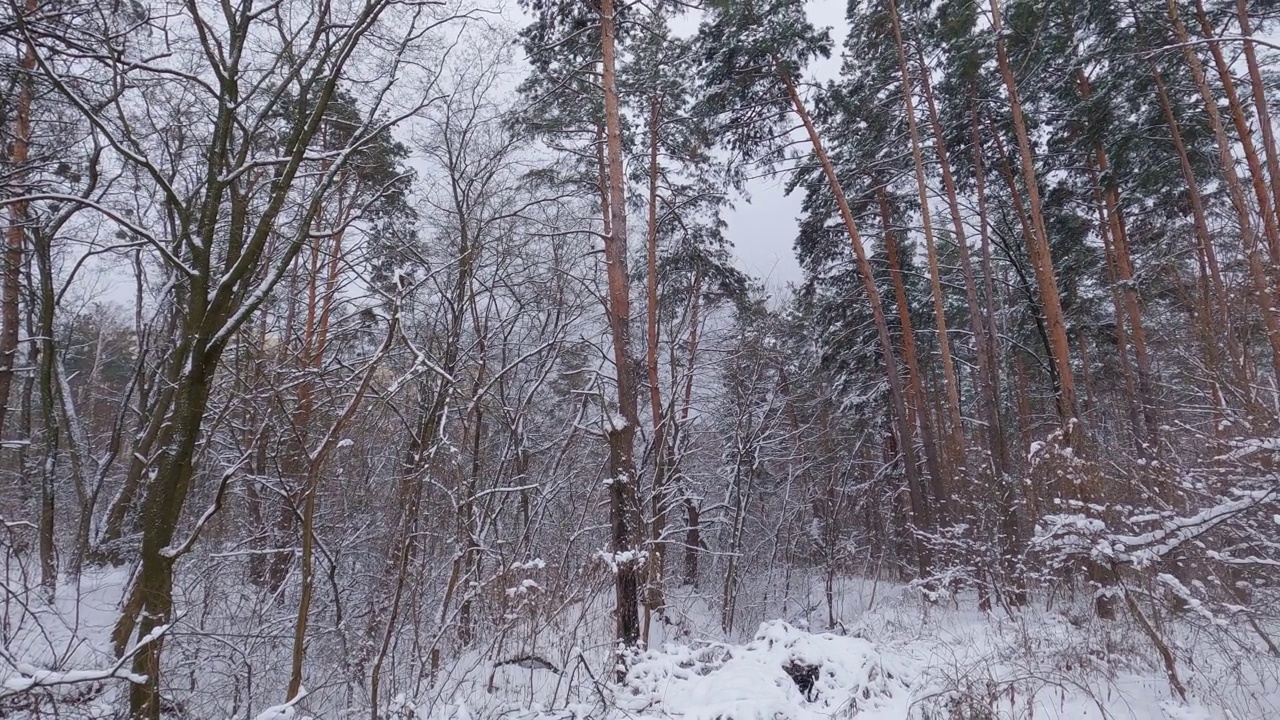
<point x="593" y="35"/>
<point x="756" y="52"/>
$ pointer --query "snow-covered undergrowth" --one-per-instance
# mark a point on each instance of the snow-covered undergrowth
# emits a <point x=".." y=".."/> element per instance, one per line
<point x="895" y="658"/>
<point x="888" y="655"/>
<point x="55" y="652"/>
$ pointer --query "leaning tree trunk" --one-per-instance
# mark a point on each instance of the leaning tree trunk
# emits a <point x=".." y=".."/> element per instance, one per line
<point x="1015" y="501"/>
<point x="1073" y="435"/>
<point x="919" y="507"/>
<point x="1127" y="291"/>
<point x="1216" y="315"/>
<point x="1260" y="106"/>
<point x="988" y="400"/>
<point x="1262" y="290"/>
<point x="1106" y="228"/>
<point x="910" y="355"/>
<point x="1041" y="259"/>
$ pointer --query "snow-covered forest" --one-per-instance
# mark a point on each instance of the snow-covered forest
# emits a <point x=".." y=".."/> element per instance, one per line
<point x="394" y="359"/>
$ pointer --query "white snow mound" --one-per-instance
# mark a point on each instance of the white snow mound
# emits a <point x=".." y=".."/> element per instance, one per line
<point x="751" y="682"/>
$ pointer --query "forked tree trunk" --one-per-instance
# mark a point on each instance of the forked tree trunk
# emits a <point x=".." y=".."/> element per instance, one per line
<point x="213" y="304"/>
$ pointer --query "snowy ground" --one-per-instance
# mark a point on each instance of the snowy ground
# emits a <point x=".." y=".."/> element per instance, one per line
<point x="889" y="656"/>
<point x="894" y="657"/>
<point x="59" y="646"/>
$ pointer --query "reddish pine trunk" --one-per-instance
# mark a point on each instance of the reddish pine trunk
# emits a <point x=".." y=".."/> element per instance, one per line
<point x="621" y="432"/>
<point x="1127" y="294"/>
<point x="1220" y="308"/>
<point x="915" y="382"/>
<point x="1041" y="259"/>
<point x="988" y="401"/>
<point x="1105" y="229"/>
<point x="1245" y="133"/>
<point x="1260" y="105"/>
<point x="952" y="427"/>
<point x="1015" y="501"/>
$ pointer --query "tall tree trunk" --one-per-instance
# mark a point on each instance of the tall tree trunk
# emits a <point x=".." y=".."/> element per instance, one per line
<point x="1260" y="106"/>
<point x="19" y="218"/>
<point x="1113" y="220"/>
<point x="312" y="358"/>
<point x="1015" y="500"/>
<point x="1028" y="238"/>
<point x="621" y="433"/>
<point x="659" y="501"/>
<point x="1218" y="317"/>
<point x="1241" y="122"/>
<point x="742" y="485"/>
<point x="161" y="511"/>
<point x="987" y="400"/>
<point x="952" y="427"/>
<point x="1132" y="402"/>
<point x="1041" y="258"/>
<point x="999" y="449"/>
<point x="915" y="380"/>
<point x="693" y="519"/>
<point x="50" y="430"/>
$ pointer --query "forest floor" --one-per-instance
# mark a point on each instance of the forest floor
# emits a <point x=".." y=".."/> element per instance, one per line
<point x="892" y="656"/>
<point x="888" y="655"/>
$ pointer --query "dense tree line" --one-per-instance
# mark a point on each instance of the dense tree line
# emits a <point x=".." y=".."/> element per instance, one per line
<point x="345" y="346"/>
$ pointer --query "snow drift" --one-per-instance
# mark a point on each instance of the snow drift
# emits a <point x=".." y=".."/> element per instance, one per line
<point x="766" y="679"/>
